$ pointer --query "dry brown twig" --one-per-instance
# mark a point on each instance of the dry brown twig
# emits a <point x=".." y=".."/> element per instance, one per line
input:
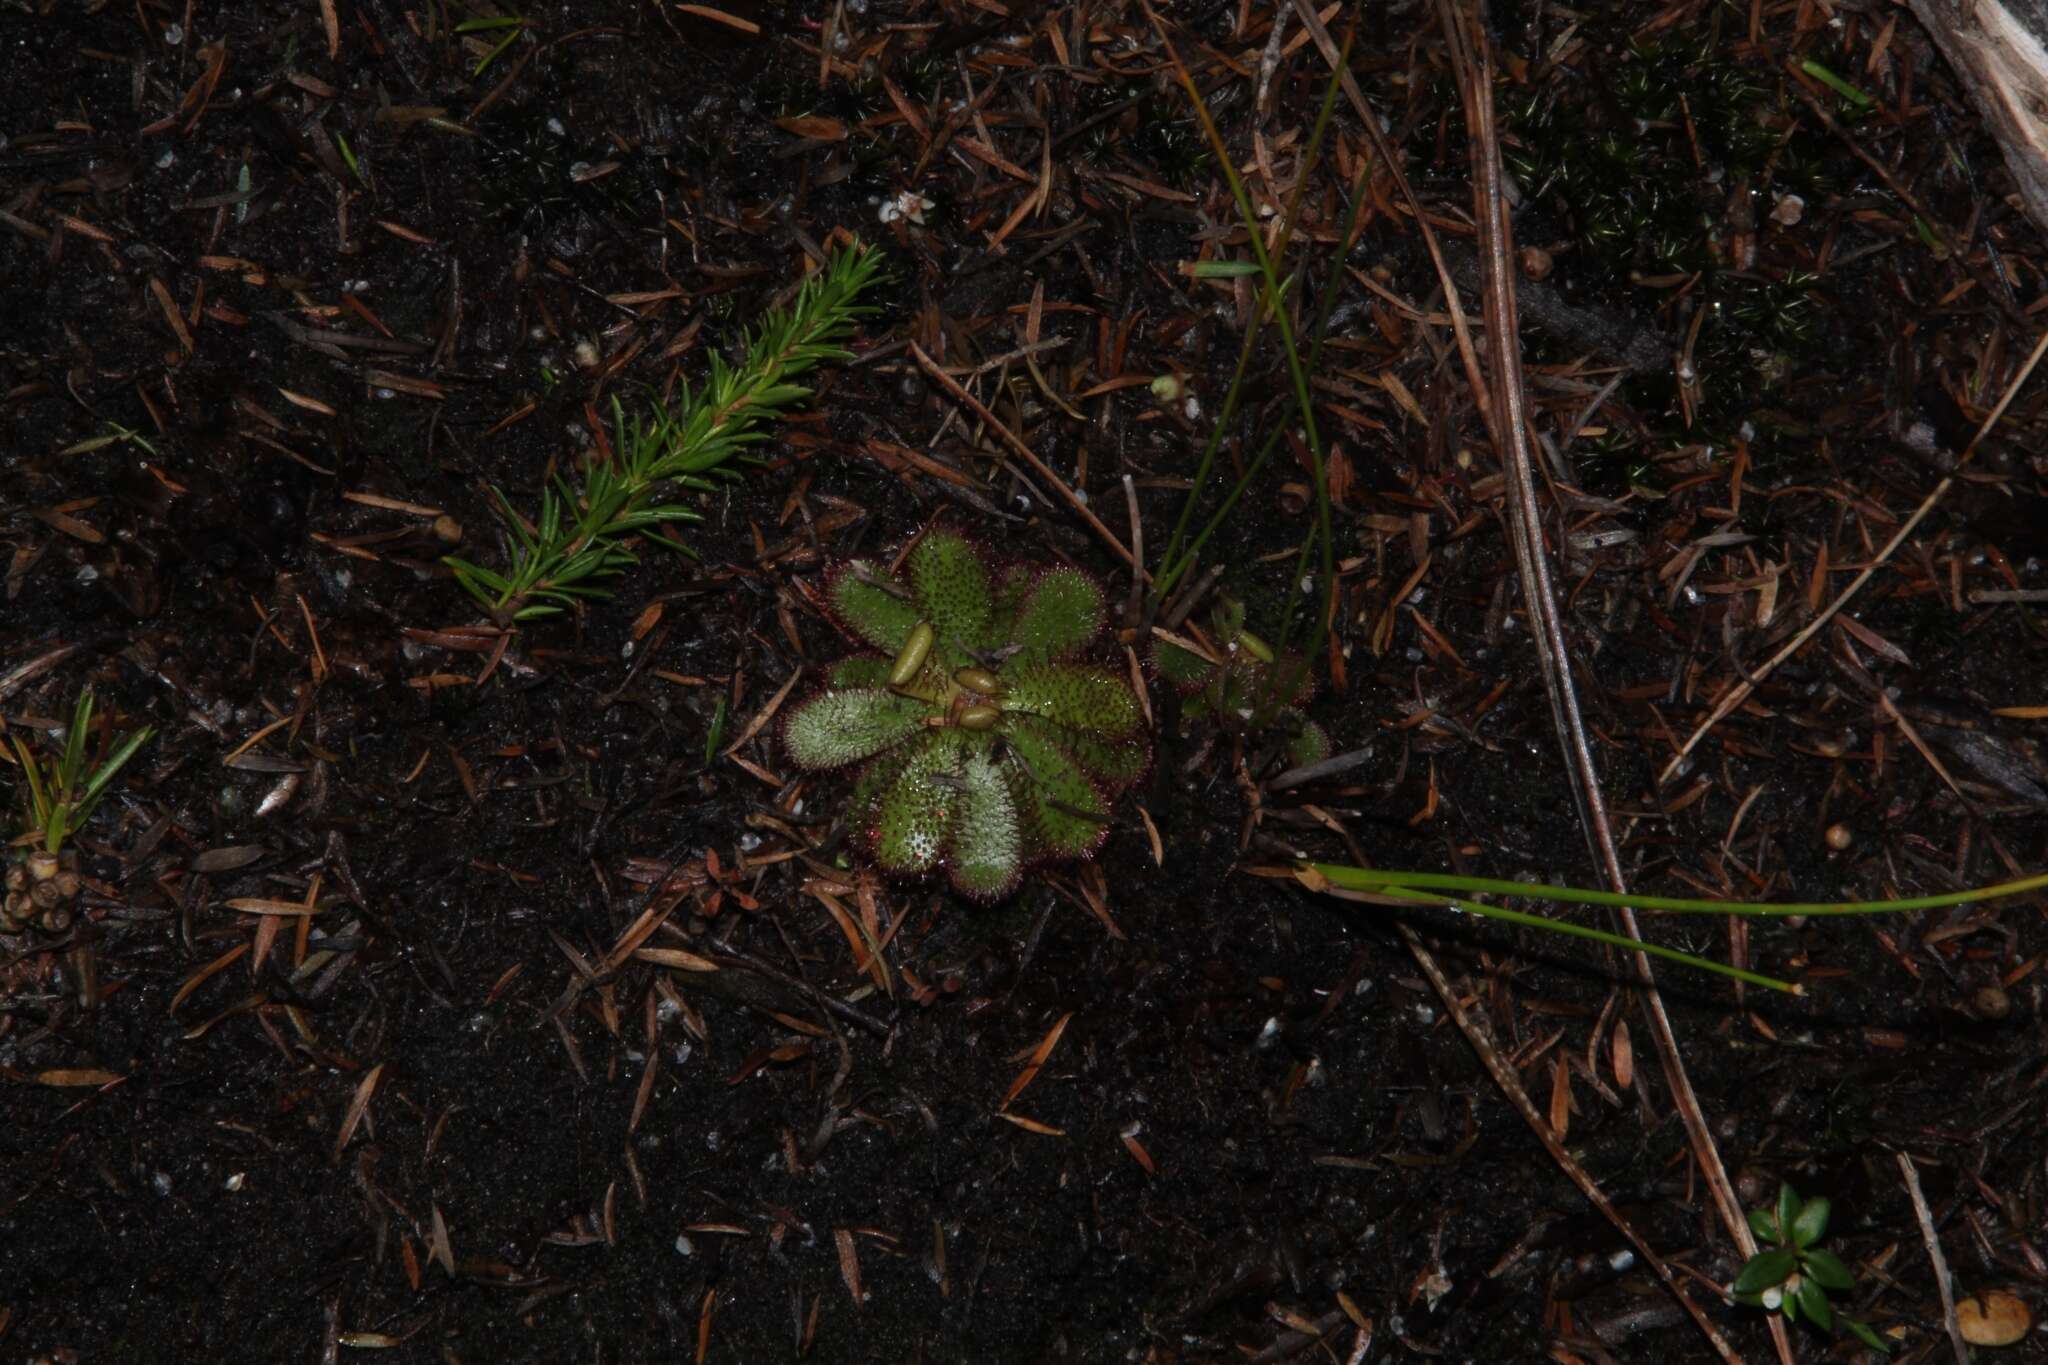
<point x="1508" y="422"/>
<point x="1023" y="452"/>
<point x="1925" y="1217"/>
<point x="1511" y="1086"/>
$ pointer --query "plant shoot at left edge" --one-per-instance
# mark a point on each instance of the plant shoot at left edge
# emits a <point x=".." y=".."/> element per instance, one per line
<point x="60" y="797"/>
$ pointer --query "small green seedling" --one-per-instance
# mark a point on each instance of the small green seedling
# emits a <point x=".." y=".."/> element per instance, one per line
<point x="42" y="888"/>
<point x="1250" y="689"/>
<point x="987" y="738"/>
<point x="512" y="25"/>
<point x="60" y="795"/>
<point x="1795" y="1274"/>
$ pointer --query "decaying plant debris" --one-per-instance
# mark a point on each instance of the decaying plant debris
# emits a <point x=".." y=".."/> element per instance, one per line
<point x="492" y="994"/>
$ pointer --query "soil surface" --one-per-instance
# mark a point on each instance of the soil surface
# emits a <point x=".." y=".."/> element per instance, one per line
<point x="585" y="1050"/>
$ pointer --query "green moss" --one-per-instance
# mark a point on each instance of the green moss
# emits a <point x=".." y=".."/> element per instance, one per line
<point x="1634" y="158"/>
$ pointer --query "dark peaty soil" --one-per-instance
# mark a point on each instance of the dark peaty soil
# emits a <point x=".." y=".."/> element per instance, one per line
<point x="323" y="294"/>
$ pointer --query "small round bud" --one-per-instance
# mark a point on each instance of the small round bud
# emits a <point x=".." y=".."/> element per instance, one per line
<point x="1839" y="837"/>
<point x="979" y="680"/>
<point x="1536" y="262"/>
<point x="1167" y="388"/>
<point x="1254" y="646"/>
<point x="447" y="530"/>
<point x="910" y="659"/>
<point x="1990" y="1003"/>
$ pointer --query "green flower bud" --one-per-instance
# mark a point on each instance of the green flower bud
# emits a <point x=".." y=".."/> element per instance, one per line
<point x="979" y="680"/>
<point x="910" y="659"/>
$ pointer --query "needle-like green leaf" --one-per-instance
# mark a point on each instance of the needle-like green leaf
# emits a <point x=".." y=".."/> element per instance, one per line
<point x="580" y="535"/>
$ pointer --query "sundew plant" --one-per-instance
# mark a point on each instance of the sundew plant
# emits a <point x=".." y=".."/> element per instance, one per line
<point x="986" y="734"/>
<point x="1251" y="688"/>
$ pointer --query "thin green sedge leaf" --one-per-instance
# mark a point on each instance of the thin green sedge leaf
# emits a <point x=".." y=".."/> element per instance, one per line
<point x="31" y="768"/>
<point x="74" y="743"/>
<point x="517" y="27"/>
<point x="124" y="751"/>
<point x="1571" y="930"/>
<point x="1836" y="84"/>
<point x="716" y="734"/>
<point x="1324" y="539"/>
<point x="117" y="435"/>
<point x="1224" y="270"/>
<point x="1173" y="563"/>
<point x="1861" y="1331"/>
<point x="1372" y="879"/>
<point x="348" y="155"/>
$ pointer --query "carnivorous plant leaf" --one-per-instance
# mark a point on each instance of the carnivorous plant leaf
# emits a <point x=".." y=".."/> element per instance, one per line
<point x="1063" y="611"/>
<point x="880" y="615"/>
<point x="952" y="586"/>
<point x="843" y="727"/>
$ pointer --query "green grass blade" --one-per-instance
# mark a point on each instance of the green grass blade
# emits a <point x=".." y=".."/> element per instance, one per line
<point x="1323" y="541"/>
<point x="1373" y="879"/>
<point x="32" y="773"/>
<point x="115" y="761"/>
<point x="73" y="762"/>
<point x="1570" y="930"/>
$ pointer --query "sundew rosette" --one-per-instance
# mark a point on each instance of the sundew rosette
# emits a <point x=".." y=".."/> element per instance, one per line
<point x="986" y="736"/>
<point x="1244" y="693"/>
